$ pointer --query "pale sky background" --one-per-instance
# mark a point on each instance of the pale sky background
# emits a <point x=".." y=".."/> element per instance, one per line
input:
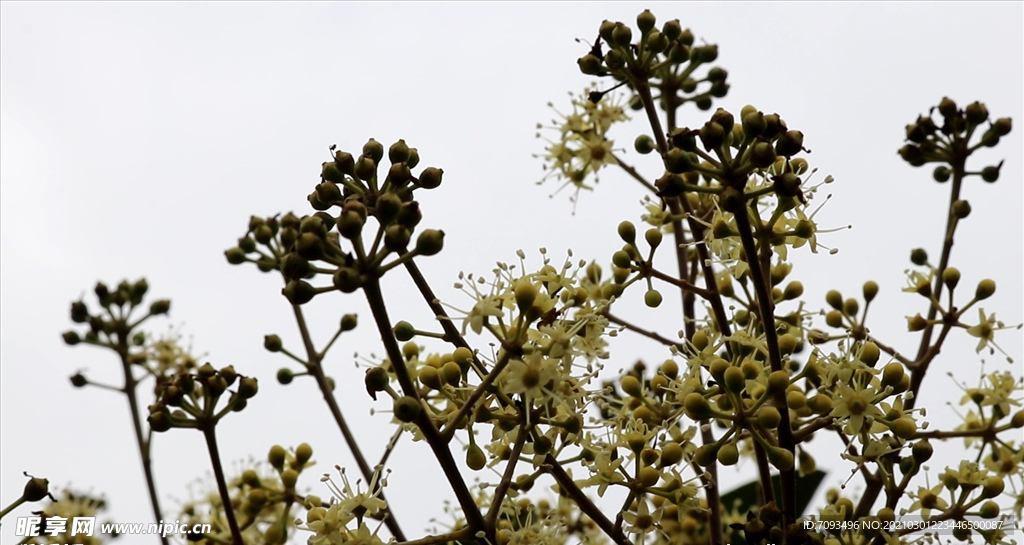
<point x="137" y="138"/>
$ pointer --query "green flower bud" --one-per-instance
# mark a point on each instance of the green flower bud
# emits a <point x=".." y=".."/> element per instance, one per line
<point x="992" y="487"/>
<point x="657" y="42"/>
<point x="36" y="489"/>
<point x="919" y="257"/>
<point x="921" y="451"/>
<point x="951" y="277"/>
<point x="652" y="298"/>
<point x="430" y="242"/>
<point x="451" y="373"/>
<point x="160" y="306"/>
<point x="396" y="237"/>
<point x="942" y="173"/>
<point x="366" y="168"/>
<point x="985" y="289"/>
<point x="410" y="215"/>
<point x="990" y="138"/>
<point x="789" y="143"/>
<point x="961" y="209"/>
<point x="991" y="173"/>
<point x="733" y="378"/>
<point x="653" y="237"/>
<point x="947" y="107"/>
<point x="627" y="232"/>
<point x="780" y="458"/>
<point x="344" y="162"/>
<point x="475" y="457"/>
<point x="672" y="29"/>
<point x="330" y="172"/>
<point x="398" y="176"/>
<point x="678" y="161"/>
<point x="159" y="421"/>
<point x="78" y="380"/>
<point x="71" y="338"/>
<point x="430" y="178"/>
<point x="398" y="152"/>
<point x="728" y="455"/>
<point x="622" y="35"/>
<point x="670" y="185"/>
<point x="1002" y="126"/>
<point x="712" y="135"/>
<point x="769" y="417"/>
<point x="1018" y="419"/>
<point x="696" y="406"/>
<point x="406" y="409"/>
<point x="645" y="21"/>
<point x="614" y="59"/>
<point x="248" y="387"/>
<point x="404" y="331"/>
<point x="350" y="225"/>
<point x="976" y="113"/>
<point x="989" y="510"/>
<point x="295" y="267"/>
<point x="621" y="259"/>
<point x="870" y="290"/>
<point x="272" y="343"/>
<point x="298" y="292"/>
<point x="762" y="154"/>
<point x="644" y="144"/>
<point x="526" y="293"/>
<point x="904" y="427"/>
<point x="285" y="375"/>
<point x="589" y="64"/>
<point x="373" y="149"/>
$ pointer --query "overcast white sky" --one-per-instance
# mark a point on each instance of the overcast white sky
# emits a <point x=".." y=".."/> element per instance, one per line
<point x="137" y="138"/>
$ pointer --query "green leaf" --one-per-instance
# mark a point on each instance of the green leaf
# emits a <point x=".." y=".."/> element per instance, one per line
<point x="746" y="497"/>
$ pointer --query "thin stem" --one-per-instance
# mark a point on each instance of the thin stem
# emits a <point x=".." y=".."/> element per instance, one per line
<point x="456" y="537"/>
<point x="506" y="478"/>
<point x="210" y="433"/>
<point x="130" y="383"/>
<point x="437" y="444"/>
<point x="14" y="505"/>
<point x="767" y="312"/>
<point x="315" y="369"/>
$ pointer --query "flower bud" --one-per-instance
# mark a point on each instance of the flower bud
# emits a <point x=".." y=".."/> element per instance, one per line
<point x="475" y="457"/>
<point x="406" y="409"/>
<point x="430" y="242"/>
<point x="712" y="135"/>
<point x="976" y="113"/>
<point x="404" y="331"/>
<point x="430" y="178"/>
<point x="285" y="375"/>
<point x="248" y="387"/>
<point x="160" y="306"/>
<point x="985" y="289"/>
<point x="762" y="154"/>
<point x="678" y="161"/>
<point x="912" y="154"/>
<point x="627" y="232"/>
<point x="728" y="455"/>
<point x="961" y="209"/>
<point x="696" y="406"/>
<point x="904" y="427"/>
<point x="526" y="293"/>
<point x="870" y="290"/>
<point x="298" y="292"/>
<point x="1002" y="126"/>
<point x="941" y="174"/>
<point x="622" y="35"/>
<point x="272" y="343"/>
<point x="922" y="451"/>
<point x="644" y="144"/>
<point x="410" y="215"/>
<point x="991" y="173"/>
<point x="947" y="107"/>
<point x="789" y="143"/>
<point x="652" y="298"/>
<point x="645" y="21"/>
<point x="366" y="168"/>
<point x="36" y="489"/>
<point x="919" y="257"/>
<point x="159" y="421"/>
<point x="589" y="64"/>
<point x="780" y="458"/>
<point x="670" y="185"/>
<point x="992" y="487"/>
<point x="396" y="237"/>
<point x="71" y="338"/>
<point x="350" y="225"/>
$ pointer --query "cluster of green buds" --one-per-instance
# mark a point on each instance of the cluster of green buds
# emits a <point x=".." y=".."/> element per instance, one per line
<point x="195" y="396"/>
<point x="658" y="56"/>
<point x="355" y="191"/>
<point x="117" y="320"/>
<point x="950" y="143"/>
